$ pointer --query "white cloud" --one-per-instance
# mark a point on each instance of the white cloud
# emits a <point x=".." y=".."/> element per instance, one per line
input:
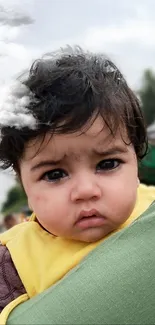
<point x="14" y="58"/>
<point x="138" y="31"/>
<point x="8" y="33"/>
<point x="14" y="55"/>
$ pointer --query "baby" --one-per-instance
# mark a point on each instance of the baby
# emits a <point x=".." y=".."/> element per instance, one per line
<point x="73" y="132"/>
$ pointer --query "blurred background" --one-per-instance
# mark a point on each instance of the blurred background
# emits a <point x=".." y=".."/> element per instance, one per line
<point x="123" y="30"/>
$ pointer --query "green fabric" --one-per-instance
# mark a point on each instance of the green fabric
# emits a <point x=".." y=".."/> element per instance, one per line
<point x="114" y="284"/>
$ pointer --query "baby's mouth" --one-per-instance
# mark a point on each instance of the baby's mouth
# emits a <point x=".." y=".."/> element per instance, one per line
<point x="90" y="219"/>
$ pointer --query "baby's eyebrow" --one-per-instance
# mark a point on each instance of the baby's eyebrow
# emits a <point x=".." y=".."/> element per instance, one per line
<point x="111" y="151"/>
<point x="46" y="163"/>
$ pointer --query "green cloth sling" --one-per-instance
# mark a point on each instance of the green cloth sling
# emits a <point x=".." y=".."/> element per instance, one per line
<point x="114" y="284"/>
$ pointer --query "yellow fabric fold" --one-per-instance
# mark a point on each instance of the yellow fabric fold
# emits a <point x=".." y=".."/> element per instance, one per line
<point x="7" y="310"/>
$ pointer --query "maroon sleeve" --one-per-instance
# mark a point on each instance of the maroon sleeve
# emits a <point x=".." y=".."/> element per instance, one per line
<point x="10" y="284"/>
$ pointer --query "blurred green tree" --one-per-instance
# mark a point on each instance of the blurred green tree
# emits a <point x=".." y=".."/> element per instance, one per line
<point x="147" y="96"/>
<point x="16" y="197"/>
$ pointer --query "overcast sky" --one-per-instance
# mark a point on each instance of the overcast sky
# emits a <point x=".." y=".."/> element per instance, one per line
<point x="124" y="30"/>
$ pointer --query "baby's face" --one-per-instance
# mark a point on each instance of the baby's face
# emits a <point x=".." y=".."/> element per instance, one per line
<point x="81" y="186"/>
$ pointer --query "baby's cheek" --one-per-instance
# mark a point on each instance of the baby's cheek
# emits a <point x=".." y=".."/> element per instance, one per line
<point x="40" y="197"/>
<point x="37" y="198"/>
<point x="38" y="203"/>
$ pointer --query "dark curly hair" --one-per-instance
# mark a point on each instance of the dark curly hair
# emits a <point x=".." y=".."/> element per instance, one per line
<point x="71" y="87"/>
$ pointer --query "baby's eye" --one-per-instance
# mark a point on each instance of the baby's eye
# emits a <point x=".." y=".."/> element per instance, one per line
<point x="108" y="164"/>
<point x="54" y="175"/>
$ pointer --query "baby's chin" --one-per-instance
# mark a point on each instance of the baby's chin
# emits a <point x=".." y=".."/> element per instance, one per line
<point x="93" y="235"/>
<point x="89" y="235"/>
